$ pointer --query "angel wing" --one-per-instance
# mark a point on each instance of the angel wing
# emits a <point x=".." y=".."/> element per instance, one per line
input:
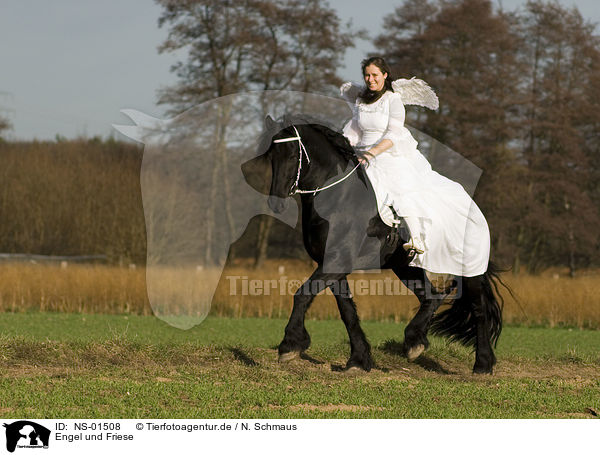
<point x="350" y="91"/>
<point x="416" y="91"/>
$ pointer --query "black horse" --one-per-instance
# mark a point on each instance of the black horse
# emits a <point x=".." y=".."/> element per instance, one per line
<point x="342" y="232"/>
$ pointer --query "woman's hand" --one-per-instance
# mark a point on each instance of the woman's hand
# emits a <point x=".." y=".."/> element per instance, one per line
<point x="379" y="148"/>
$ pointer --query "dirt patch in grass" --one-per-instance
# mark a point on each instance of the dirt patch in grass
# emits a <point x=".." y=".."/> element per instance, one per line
<point x="164" y="364"/>
<point x="569" y="372"/>
<point x="334" y="408"/>
<point x="573" y="415"/>
<point x="306" y="407"/>
<point x="19" y="371"/>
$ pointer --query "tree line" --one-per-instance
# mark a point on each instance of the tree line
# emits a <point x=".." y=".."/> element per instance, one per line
<point x="519" y="97"/>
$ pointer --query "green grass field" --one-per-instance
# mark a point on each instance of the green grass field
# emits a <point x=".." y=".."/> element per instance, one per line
<point x="56" y="365"/>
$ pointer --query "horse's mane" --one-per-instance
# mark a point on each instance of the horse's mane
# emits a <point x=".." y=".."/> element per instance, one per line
<point x="333" y="135"/>
<point x="337" y="140"/>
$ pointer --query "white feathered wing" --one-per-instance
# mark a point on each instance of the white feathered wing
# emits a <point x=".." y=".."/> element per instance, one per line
<point x="415" y="91"/>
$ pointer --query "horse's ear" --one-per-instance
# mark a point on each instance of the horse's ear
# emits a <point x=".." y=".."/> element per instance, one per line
<point x="270" y="123"/>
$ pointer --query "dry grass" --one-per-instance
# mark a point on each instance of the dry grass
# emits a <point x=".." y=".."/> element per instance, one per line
<point x="554" y="299"/>
<point x="76" y="288"/>
<point x="549" y="299"/>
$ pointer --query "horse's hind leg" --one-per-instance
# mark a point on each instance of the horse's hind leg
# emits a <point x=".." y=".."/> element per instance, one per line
<point x="484" y="354"/>
<point x="415" y="334"/>
<point x="360" y="350"/>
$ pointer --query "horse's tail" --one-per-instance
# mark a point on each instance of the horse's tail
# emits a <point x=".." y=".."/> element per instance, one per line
<point x="458" y="322"/>
<point x="493" y="300"/>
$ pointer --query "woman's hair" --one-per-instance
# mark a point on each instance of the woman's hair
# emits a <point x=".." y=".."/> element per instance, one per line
<point x="368" y="96"/>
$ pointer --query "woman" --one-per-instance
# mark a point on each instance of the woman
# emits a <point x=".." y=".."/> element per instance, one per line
<point x="448" y="231"/>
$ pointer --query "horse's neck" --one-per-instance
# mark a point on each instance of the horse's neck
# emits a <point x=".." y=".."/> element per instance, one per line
<point x="326" y="161"/>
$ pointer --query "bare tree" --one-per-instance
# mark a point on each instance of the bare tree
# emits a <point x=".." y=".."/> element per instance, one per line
<point x="5" y="123"/>
<point x="236" y="46"/>
<point x="562" y="53"/>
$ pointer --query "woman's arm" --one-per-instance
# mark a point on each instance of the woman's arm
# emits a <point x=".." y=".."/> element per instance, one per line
<point x="381" y="147"/>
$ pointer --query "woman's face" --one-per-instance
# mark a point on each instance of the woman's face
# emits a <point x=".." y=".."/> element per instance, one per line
<point x="374" y="78"/>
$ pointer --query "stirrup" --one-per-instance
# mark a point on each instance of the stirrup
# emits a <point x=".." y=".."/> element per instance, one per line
<point x="393" y="238"/>
<point x="410" y="247"/>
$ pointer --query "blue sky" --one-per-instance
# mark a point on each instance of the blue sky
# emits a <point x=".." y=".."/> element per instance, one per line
<point x="69" y="66"/>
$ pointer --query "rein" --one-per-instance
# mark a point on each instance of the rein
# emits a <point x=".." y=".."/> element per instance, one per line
<point x="302" y="150"/>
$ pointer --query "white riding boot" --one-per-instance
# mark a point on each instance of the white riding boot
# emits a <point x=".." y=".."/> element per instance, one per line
<point x="417" y="240"/>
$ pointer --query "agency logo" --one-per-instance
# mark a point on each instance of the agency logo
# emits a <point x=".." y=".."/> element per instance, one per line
<point x="25" y="434"/>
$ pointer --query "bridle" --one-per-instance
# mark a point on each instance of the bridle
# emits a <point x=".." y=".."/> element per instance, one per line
<point x="302" y="150"/>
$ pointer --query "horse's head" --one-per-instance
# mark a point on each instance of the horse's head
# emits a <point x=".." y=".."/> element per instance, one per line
<point x="291" y="165"/>
<point x="287" y="162"/>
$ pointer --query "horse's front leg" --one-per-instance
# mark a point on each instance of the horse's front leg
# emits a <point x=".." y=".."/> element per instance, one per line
<point x="360" y="350"/>
<point x="296" y="338"/>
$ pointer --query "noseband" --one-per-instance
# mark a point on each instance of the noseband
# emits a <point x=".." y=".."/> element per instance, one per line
<point x="302" y="150"/>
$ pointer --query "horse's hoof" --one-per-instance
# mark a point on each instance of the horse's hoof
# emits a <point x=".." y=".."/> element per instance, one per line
<point x="354" y="370"/>
<point x="483" y="370"/>
<point x="414" y="352"/>
<point x="289" y="356"/>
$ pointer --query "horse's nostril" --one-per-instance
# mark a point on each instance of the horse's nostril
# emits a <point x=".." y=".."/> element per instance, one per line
<point x="277" y="204"/>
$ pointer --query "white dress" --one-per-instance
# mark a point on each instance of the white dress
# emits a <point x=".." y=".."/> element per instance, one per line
<point x="451" y="226"/>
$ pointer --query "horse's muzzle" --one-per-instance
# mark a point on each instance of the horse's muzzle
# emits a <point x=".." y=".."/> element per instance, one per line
<point x="277" y="204"/>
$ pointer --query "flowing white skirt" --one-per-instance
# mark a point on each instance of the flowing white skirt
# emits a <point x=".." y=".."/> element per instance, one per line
<point x="455" y="232"/>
